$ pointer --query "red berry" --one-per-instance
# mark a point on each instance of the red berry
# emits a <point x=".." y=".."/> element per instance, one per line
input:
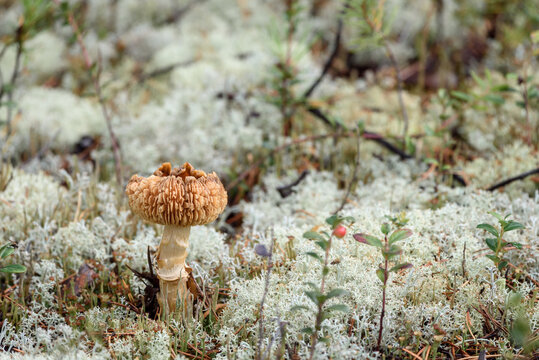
<point x="339" y="231"/>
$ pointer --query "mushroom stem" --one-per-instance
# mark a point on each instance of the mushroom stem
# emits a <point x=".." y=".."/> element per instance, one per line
<point x="171" y="271"/>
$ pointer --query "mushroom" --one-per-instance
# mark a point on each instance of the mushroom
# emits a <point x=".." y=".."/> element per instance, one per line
<point x="177" y="198"/>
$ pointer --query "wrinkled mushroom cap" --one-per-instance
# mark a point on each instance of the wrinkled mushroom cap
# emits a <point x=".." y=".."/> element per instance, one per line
<point x="180" y="196"/>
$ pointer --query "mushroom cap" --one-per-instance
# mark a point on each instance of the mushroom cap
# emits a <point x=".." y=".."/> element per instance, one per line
<point x="181" y="196"/>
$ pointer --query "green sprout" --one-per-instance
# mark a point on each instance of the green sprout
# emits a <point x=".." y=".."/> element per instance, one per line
<point x="497" y="244"/>
<point x="389" y="251"/>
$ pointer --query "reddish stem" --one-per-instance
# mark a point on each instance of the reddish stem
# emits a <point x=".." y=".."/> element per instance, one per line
<point x="386" y="274"/>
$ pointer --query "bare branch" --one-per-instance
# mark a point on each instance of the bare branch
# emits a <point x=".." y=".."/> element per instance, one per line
<point x="329" y="61"/>
<point x="287" y="190"/>
<point x="512" y="179"/>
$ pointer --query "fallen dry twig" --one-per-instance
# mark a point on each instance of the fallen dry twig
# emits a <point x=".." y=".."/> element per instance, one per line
<point x="512" y="179"/>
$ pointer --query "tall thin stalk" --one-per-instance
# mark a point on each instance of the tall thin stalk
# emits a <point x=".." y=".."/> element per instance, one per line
<point x="395" y="66"/>
<point x="320" y="312"/>
<point x="261" y="250"/>
<point x="382" y="314"/>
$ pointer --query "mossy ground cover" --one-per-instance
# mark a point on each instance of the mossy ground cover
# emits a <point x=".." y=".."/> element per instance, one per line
<point x="296" y="105"/>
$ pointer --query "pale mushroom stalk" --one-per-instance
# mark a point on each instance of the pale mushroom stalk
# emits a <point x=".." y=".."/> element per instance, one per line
<point x="177" y="198"/>
<point x="171" y="271"/>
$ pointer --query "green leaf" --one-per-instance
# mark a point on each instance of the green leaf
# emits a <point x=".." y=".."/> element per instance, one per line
<point x="393" y="251"/>
<point x="368" y="239"/>
<point x="336" y="293"/>
<point x="494" y="99"/>
<point x="385" y="228"/>
<point x="313" y="295"/>
<point x="333" y="220"/>
<point x="399" y="235"/>
<point x="307" y="330"/>
<point x="312" y="285"/>
<point x="325" y="271"/>
<point x="410" y="146"/>
<point x="400" y="266"/>
<point x="492" y="243"/>
<point x="488" y="228"/>
<point x="502" y="88"/>
<point x="462" y="96"/>
<point x="324" y="339"/>
<point x="502" y="264"/>
<point x="338" y="307"/>
<point x="314" y="255"/>
<point x="521" y="331"/>
<point x="478" y="80"/>
<point x="299" y="307"/>
<point x="512" y="225"/>
<point x="514" y="298"/>
<point x="381" y="275"/>
<point x="323" y="244"/>
<point x="313" y="235"/>
<point x="13" y="268"/>
<point x="6" y="250"/>
<point x="496" y="215"/>
<point x="516" y="244"/>
<point x="493" y="258"/>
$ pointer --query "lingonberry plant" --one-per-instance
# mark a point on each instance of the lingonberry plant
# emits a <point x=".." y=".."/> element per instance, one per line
<point x="389" y="251"/>
<point x="318" y="295"/>
<point x="497" y="244"/>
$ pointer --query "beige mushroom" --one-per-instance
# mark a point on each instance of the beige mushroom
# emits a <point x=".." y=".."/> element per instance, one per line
<point x="177" y="198"/>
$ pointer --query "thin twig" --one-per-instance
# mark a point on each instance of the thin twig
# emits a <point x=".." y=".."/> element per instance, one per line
<point x="332" y="56"/>
<point x="19" y="41"/>
<point x="411" y="353"/>
<point x="354" y="179"/>
<point x="321" y="116"/>
<point x="393" y="61"/>
<point x="113" y="139"/>
<point x="288" y="189"/>
<point x="97" y="88"/>
<point x="464" y="272"/>
<point x="512" y="179"/>
<point x="164" y="70"/>
<point x="389" y="146"/>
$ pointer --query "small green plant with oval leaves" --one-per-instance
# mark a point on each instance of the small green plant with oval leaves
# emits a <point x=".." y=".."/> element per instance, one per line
<point x="390" y="250"/>
<point x="318" y="294"/>
<point x="497" y="244"/>
<point x="5" y="251"/>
